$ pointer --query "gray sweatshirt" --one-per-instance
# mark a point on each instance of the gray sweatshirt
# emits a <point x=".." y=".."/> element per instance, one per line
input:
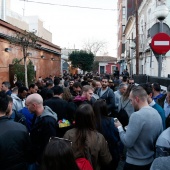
<point x="161" y="163"/>
<point x="140" y="137"/>
<point x="163" y="144"/>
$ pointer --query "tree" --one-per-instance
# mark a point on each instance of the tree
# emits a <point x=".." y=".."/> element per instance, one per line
<point x="94" y="46"/>
<point x="18" y="68"/>
<point x="26" y="40"/>
<point x="95" y="66"/>
<point x="82" y="59"/>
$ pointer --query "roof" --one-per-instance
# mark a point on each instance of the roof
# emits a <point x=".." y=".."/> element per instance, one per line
<point x="16" y="29"/>
<point x="105" y="59"/>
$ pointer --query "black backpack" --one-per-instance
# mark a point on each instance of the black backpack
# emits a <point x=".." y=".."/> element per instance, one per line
<point x="123" y="116"/>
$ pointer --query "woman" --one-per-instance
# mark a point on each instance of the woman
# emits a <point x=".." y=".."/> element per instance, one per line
<point x="105" y="125"/>
<point x="58" y="155"/>
<point x="86" y="141"/>
<point x="71" y="108"/>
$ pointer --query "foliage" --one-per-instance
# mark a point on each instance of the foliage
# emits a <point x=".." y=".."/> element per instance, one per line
<point x="82" y="59"/>
<point x="19" y="71"/>
<point x="25" y="40"/>
<point x="95" y="66"/>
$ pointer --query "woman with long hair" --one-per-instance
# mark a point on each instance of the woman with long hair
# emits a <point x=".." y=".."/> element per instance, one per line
<point x="58" y="155"/>
<point x="86" y="141"/>
<point x="105" y="125"/>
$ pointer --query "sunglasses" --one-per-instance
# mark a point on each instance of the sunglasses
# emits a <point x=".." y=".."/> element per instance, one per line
<point x="131" y="83"/>
<point x="53" y="138"/>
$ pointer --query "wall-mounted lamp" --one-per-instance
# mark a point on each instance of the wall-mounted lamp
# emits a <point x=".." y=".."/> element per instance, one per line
<point x="7" y="49"/>
<point x="42" y="56"/>
<point x="52" y="59"/>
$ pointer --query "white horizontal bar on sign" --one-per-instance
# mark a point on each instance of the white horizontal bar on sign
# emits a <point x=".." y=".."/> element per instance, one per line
<point x="161" y="42"/>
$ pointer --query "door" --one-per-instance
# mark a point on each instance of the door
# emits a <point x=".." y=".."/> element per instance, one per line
<point x="101" y="69"/>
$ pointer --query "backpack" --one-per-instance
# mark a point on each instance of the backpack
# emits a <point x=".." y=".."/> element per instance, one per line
<point x="83" y="164"/>
<point x="123" y="116"/>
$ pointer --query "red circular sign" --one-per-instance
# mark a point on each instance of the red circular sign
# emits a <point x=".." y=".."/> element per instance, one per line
<point x="161" y="43"/>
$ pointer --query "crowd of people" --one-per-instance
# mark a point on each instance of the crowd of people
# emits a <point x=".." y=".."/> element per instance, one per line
<point x="84" y="122"/>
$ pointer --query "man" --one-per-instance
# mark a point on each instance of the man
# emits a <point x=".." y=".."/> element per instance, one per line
<point x="97" y="86"/>
<point x="76" y="89"/>
<point x="111" y="85"/>
<point x="85" y="81"/>
<point x="14" y="140"/>
<point x="125" y="79"/>
<point x="121" y="90"/>
<point x="158" y="97"/>
<point x="19" y="100"/>
<point x="6" y="87"/>
<point x="106" y="93"/>
<point x="152" y="103"/>
<point x="86" y="96"/>
<point x="71" y="82"/>
<point x="33" y="88"/>
<point x="57" y="104"/>
<point x="44" y="126"/>
<point x="131" y="81"/>
<point x="45" y="90"/>
<point x="145" y="125"/>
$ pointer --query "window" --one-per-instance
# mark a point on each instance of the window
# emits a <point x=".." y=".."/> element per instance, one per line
<point x="123" y="12"/>
<point x="123" y="28"/>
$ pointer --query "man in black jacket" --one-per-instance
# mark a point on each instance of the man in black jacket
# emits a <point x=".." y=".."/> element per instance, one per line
<point x="107" y="94"/>
<point x="44" y="126"/>
<point x="15" y="143"/>
<point x="58" y="105"/>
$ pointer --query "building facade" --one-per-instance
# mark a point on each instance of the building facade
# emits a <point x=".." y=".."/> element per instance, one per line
<point x="107" y="64"/>
<point x="148" y="61"/>
<point x="46" y="57"/>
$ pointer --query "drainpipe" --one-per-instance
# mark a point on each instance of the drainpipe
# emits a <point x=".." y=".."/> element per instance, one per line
<point x="3" y="10"/>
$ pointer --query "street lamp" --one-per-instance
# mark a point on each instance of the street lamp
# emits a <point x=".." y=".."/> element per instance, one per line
<point x="161" y="12"/>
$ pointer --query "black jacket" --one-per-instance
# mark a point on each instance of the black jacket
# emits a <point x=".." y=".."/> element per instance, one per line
<point x="109" y="96"/>
<point x="15" y="145"/>
<point x="44" y="127"/>
<point x="61" y="107"/>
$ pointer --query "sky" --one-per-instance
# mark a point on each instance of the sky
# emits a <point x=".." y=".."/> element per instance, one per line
<point x="72" y="27"/>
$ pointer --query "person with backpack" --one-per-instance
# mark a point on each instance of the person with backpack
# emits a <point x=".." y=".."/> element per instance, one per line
<point x="125" y="108"/>
<point x="89" y="146"/>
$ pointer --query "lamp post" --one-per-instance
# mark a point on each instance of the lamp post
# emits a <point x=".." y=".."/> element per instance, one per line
<point x="161" y="12"/>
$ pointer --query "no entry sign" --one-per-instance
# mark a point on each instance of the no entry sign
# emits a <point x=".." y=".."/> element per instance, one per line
<point x="160" y="43"/>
